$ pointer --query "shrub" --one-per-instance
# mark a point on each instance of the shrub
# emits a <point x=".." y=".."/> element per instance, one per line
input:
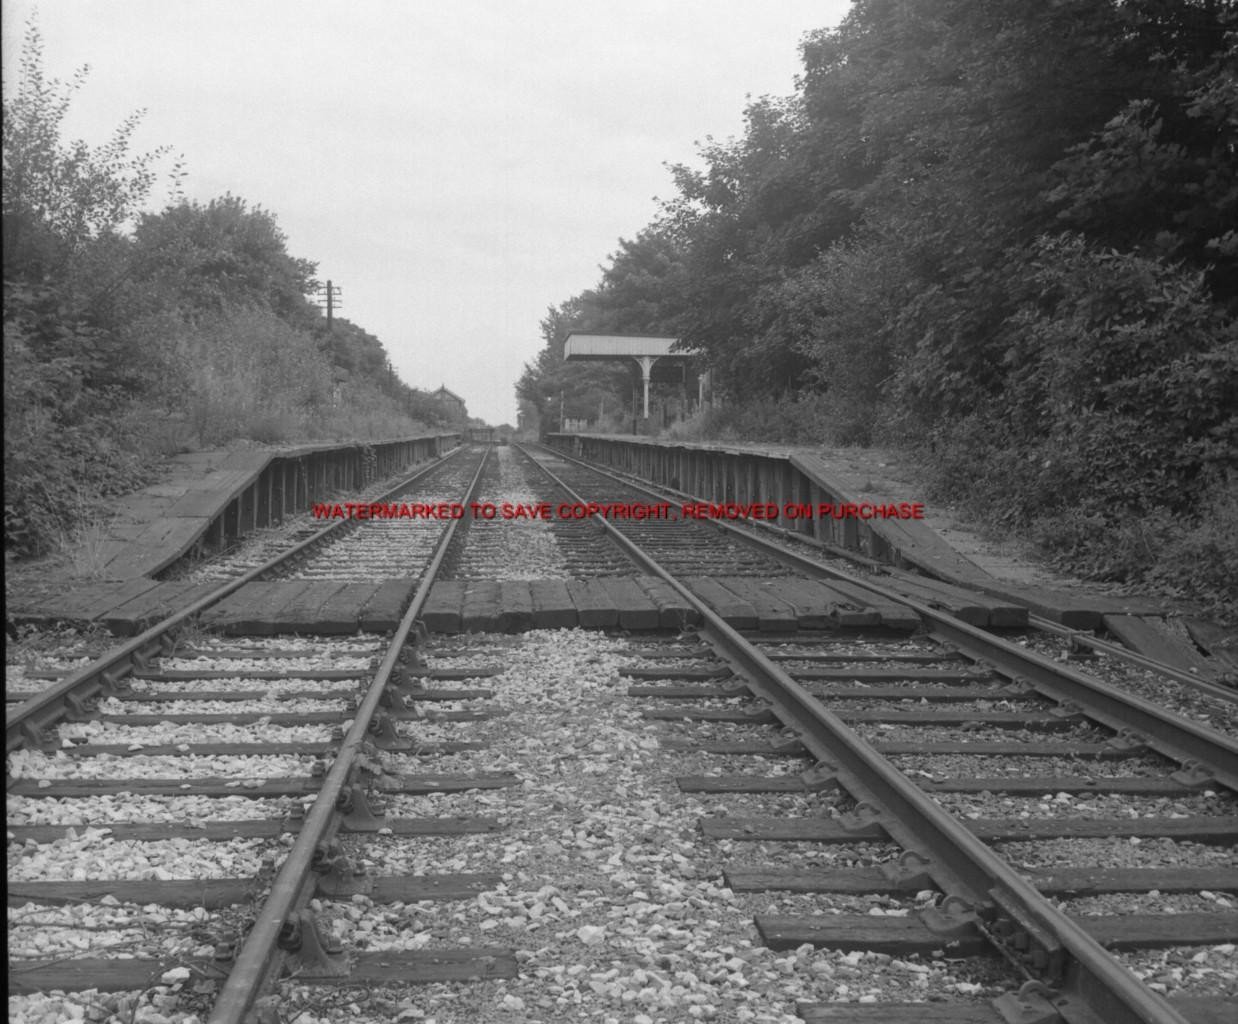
<point x="803" y="420"/>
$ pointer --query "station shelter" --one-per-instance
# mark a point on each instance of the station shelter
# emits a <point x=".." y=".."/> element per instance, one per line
<point x="650" y="356"/>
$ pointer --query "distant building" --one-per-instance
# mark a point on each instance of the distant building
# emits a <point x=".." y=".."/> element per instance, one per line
<point x="451" y="404"/>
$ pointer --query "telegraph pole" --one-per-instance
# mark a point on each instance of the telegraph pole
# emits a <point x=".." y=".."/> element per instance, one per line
<point x="331" y="293"/>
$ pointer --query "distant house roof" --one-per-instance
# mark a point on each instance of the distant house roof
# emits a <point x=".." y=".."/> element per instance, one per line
<point x="618" y="346"/>
<point x="451" y="396"/>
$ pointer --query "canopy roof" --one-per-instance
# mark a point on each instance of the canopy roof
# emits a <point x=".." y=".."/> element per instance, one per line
<point x="619" y="346"/>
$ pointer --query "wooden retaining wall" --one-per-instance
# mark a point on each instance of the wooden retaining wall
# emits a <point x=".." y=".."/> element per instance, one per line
<point x="215" y="504"/>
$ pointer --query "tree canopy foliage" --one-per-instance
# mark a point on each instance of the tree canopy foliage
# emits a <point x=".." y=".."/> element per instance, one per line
<point x="1003" y="232"/>
<point x="130" y="332"/>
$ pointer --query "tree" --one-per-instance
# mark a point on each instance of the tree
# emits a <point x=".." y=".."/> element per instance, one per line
<point x="207" y="257"/>
<point x="57" y="197"/>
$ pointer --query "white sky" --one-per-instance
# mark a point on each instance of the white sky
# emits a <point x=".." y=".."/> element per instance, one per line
<point x="455" y="166"/>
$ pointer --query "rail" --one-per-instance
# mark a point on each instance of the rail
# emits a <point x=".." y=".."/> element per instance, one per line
<point x="718" y="474"/>
<point x="988" y="891"/>
<point x="257" y="958"/>
<point x="27" y="722"/>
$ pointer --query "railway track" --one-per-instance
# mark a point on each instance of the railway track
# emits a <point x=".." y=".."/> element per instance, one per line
<point x="900" y="810"/>
<point x="1004" y="690"/>
<point x="178" y="728"/>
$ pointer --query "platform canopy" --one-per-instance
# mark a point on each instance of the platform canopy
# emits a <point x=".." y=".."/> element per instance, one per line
<point x="646" y="349"/>
<point x="618" y="346"/>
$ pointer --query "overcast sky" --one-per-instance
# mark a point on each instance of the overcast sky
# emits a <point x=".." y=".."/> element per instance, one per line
<point x="455" y="166"/>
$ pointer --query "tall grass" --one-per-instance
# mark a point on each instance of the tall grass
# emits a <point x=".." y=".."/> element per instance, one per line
<point x="802" y="420"/>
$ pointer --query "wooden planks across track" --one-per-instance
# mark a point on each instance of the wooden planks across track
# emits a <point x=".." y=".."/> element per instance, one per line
<point x="764" y="595"/>
<point x="1197" y="1010"/>
<point x="341" y="613"/>
<point x="131" y="617"/>
<point x="673" y="611"/>
<point x="245" y="611"/>
<point x="737" y="611"/>
<point x="896" y="936"/>
<point x="293" y="718"/>
<point x="973" y="719"/>
<point x="1073" y="882"/>
<point x="386" y="967"/>
<point x="901" y="1013"/>
<point x="1151" y="636"/>
<point x="817" y="606"/>
<point x="552" y="605"/>
<point x="85" y="602"/>
<point x="213" y="893"/>
<point x="416" y="785"/>
<point x="971" y="606"/>
<point x="636" y="606"/>
<point x="1097" y="751"/>
<point x="442" y="610"/>
<point x="383" y="610"/>
<point x="294" y="609"/>
<point x="480" y="609"/>
<point x="901" y="936"/>
<point x="265" y="608"/>
<point x="304" y="748"/>
<point x="1016" y="785"/>
<point x="595" y="608"/>
<point x="853" y="597"/>
<point x="1212" y="830"/>
<point x="515" y="606"/>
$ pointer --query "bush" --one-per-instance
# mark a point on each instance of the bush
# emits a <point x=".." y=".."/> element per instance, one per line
<point x="805" y="420"/>
<point x="1192" y="556"/>
<point x="1199" y="560"/>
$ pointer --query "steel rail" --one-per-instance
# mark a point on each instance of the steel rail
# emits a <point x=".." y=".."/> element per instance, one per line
<point x="1213" y="689"/>
<point x="1174" y="736"/>
<point x="751" y="532"/>
<point x="257" y="961"/>
<point x="960" y="861"/>
<point x="52" y="704"/>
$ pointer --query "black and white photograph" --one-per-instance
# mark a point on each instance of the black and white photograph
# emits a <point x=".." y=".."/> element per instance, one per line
<point x="621" y="511"/>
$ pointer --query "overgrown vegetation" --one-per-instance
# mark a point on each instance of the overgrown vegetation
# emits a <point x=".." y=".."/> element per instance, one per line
<point x="999" y="234"/>
<point x="130" y="332"/>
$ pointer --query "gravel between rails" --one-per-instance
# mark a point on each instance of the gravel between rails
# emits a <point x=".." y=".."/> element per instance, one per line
<point x="379" y="548"/>
<point x="78" y="857"/>
<point x="527" y="549"/>
<point x="264" y="544"/>
<point x="611" y="896"/>
<point x="116" y="929"/>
